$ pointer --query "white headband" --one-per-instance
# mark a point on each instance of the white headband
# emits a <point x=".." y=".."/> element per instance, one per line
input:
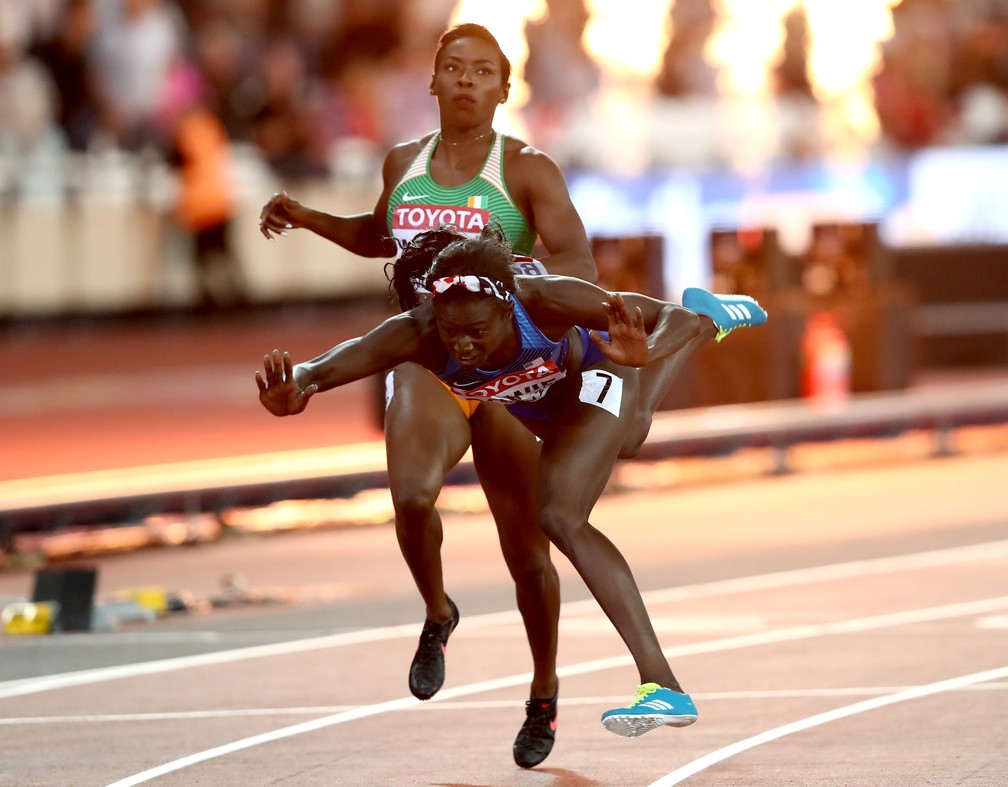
<point x="472" y="284"/>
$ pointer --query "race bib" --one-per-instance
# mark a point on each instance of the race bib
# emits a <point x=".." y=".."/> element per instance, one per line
<point x="602" y="389"/>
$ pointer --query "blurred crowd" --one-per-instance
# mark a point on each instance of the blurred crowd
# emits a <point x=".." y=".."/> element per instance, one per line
<point x="944" y="74"/>
<point x="292" y="79"/>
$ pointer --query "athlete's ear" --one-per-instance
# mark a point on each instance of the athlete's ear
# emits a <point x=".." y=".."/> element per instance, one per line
<point x="504" y="93"/>
<point x="432" y="86"/>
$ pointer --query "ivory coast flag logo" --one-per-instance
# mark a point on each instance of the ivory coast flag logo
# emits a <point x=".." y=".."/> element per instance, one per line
<point x="475" y="202"/>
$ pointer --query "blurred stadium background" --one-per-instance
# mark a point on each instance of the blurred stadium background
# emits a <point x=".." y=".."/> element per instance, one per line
<point x="839" y="158"/>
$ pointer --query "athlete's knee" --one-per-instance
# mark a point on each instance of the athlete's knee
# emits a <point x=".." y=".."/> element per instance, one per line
<point x="559" y="525"/>
<point x="636" y="435"/>
<point x="415" y="504"/>
<point x="531" y="566"/>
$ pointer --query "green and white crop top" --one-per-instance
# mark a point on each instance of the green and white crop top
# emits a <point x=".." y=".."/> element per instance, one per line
<point x="418" y="203"/>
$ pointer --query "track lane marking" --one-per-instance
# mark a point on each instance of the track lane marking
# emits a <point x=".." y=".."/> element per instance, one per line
<point x="974" y="552"/>
<point x="720" y="755"/>
<point x="239" y="713"/>
<point x="799" y="632"/>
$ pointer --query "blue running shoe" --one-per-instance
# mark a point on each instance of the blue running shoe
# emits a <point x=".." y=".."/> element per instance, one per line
<point x="653" y="706"/>
<point x="727" y="311"/>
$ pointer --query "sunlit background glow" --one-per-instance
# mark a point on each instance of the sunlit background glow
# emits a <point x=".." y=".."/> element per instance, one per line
<point x="628" y="41"/>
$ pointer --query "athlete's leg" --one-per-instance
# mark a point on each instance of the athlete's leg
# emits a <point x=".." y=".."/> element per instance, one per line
<point x="505" y="454"/>
<point x="656" y="379"/>
<point x="576" y="460"/>
<point x="426" y="434"/>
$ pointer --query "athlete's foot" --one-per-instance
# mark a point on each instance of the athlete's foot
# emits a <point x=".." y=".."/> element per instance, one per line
<point x="427" y="672"/>
<point x="536" y="736"/>
<point x="727" y="312"/>
<point x="654" y="706"/>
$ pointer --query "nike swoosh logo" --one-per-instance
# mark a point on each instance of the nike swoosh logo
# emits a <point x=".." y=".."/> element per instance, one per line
<point x="407" y="197"/>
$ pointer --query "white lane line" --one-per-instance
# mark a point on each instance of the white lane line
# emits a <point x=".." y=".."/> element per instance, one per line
<point x="975" y="552"/>
<point x="467" y="705"/>
<point x="18" y="688"/>
<point x="722" y="754"/>
<point x="596" y="665"/>
<point x="849" y="626"/>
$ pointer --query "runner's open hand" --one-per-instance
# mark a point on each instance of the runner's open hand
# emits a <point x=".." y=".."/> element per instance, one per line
<point x="280" y="214"/>
<point x="278" y="392"/>
<point x="627" y="343"/>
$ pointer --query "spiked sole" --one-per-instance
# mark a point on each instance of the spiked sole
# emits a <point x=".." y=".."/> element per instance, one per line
<point x="636" y="724"/>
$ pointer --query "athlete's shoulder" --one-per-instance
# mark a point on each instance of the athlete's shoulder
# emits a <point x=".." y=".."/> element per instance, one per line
<point x="398" y="159"/>
<point x="414" y="332"/>
<point x="519" y="149"/>
<point x="526" y="163"/>
<point x="533" y="287"/>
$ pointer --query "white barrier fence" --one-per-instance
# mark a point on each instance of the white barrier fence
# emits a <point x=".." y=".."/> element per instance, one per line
<point x="97" y="235"/>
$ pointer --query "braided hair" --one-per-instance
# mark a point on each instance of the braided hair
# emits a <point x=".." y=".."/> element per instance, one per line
<point x="446" y="251"/>
<point x="408" y="274"/>
<point x="487" y="256"/>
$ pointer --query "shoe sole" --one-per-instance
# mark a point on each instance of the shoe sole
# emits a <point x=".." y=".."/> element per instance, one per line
<point x="635" y="725"/>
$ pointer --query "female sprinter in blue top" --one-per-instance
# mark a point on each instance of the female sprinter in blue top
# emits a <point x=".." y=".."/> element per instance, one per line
<point x="562" y="355"/>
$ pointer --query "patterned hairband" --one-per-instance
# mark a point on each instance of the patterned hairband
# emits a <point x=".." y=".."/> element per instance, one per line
<point x="472" y="284"/>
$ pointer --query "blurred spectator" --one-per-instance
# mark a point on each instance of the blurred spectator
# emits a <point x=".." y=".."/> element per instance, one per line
<point x="980" y="72"/>
<point x="791" y="74"/>
<point x="981" y="54"/>
<point x="287" y="128"/>
<point x="685" y="70"/>
<point x="68" y="56"/>
<point x="366" y="29"/>
<point x="24" y="21"/>
<point x="369" y="68"/>
<point x="228" y="69"/>
<point x="139" y="42"/>
<point x="409" y="110"/>
<point x="349" y="102"/>
<point x="313" y="83"/>
<point x="200" y="153"/>
<point x="560" y="72"/>
<point x="28" y="131"/>
<point x="912" y="90"/>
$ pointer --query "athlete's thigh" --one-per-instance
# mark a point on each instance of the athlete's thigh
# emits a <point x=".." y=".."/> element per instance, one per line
<point x="588" y="430"/>
<point x="426" y="432"/>
<point x="506" y="455"/>
<point x="503" y="450"/>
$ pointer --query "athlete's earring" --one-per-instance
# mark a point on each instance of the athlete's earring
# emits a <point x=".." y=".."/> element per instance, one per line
<point x="432" y="91"/>
<point x="503" y="100"/>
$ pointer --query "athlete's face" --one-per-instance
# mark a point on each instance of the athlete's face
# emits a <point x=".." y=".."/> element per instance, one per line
<point x="478" y="332"/>
<point x="468" y="81"/>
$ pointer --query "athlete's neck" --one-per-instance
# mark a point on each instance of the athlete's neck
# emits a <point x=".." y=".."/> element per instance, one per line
<point x="465" y="141"/>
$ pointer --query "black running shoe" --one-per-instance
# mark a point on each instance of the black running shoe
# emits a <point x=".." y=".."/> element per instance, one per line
<point x="427" y="673"/>
<point x="536" y="736"/>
